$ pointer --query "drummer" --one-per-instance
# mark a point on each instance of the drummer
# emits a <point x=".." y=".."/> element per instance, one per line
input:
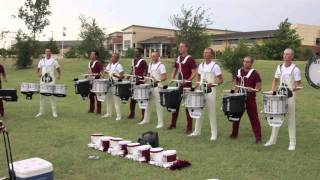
<point x="289" y="74"/>
<point x="115" y="72"/>
<point x="249" y="78"/>
<point x="95" y="69"/>
<point x="186" y="68"/>
<point x="46" y="72"/>
<point x="139" y="68"/>
<point x="157" y="71"/>
<point x="208" y="72"/>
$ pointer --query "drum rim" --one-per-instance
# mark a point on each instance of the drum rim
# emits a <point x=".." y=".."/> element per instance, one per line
<point x="312" y="60"/>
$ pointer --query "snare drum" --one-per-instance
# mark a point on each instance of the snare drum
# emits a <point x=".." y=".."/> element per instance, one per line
<point x="60" y="90"/>
<point x="141" y="93"/>
<point x="170" y="98"/>
<point x="169" y="156"/>
<point x="233" y="105"/>
<point x="123" y="90"/>
<point x="194" y="102"/>
<point x="124" y="147"/>
<point x="275" y="107"/>
<point x="46" y="89"/>
<point x="100" y="86"/>
<point x="132" y="148"/>
<point x="105" y="143"/>
<point x="24" y="88"/>
<point x="143" y="153"/>
<point x="34" y="87"/>
<point x="156" y="154"/>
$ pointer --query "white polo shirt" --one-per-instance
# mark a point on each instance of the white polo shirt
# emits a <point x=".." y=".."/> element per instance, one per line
<point x="48" y="66"/>
<point x="114" y="68"/>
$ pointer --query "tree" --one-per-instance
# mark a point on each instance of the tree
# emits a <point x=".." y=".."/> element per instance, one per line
<point x="51" y="44"/>
<point x="24" y="50"/>
<point x="231" y="58"/>
<point x="93" y="37"/>
<point x="35" y="15"/>
<point x="284" y="37"/>
<point x="192" y="25"/>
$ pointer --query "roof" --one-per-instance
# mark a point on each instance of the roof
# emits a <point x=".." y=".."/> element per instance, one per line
<point x="160" y="39"/>
<point x="134" y="25"/>
<point x="244" y="35"/>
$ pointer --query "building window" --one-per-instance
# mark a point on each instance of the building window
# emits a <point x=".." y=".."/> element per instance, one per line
<point x="318" y="41"/>
<point x="126" y="44"/>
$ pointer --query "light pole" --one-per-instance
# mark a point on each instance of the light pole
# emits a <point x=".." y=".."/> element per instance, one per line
<point x="63" y="35"/>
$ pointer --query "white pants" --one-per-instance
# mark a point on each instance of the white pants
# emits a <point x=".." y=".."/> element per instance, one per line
<point x="155" y="97"/>
<point x="211" y="104"/>
<point x="53" y="104"/>
<point x="291" y="123"/>
<point x="113" y="99"/>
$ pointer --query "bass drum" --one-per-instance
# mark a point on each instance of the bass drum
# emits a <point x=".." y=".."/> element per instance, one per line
<point x="233" y="105"/>
<point x="313" y="72"/>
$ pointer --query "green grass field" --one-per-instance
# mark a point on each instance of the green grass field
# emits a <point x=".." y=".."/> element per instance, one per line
<point x="63" y="141"/>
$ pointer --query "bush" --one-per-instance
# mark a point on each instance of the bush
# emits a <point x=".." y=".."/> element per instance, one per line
<point x="51" y="45"/>
<point x="304" y="53"/>
<point x="72" y="53"/>
<point x="24" y="53"/>
<point x="231" y="59"/>
<point x="129" y="53"/>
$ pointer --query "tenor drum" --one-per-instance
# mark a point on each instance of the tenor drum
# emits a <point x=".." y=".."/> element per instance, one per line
<point x="47" y="89"/>
<point x="141" y="93"/>
<point x="170" y="98"/>
<point x="123" y="90"/>
<point x="275" y="107"/>
<point x="194" y="102"/>
<point x="60" y="90"/>
<point x="82" y="87"/>
<point x="24" y="88"/>
<point x="233" y="105"/>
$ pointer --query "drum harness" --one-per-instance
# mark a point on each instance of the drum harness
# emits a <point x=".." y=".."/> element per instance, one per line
<point x="46" y="78"/>
<point x="283" y="87"/>
<point x="180" y="75"/>
<point x="203" y="80"/>
<point x="134" y="78"/>
<point x="154" y="80"/>
<point x="242" y="81"/>
<point x="112" y="81"/>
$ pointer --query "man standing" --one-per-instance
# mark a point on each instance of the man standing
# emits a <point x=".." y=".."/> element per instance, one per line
<point x="249" y="78"/>
<point x="115" y="72"/>
<point x="4" y="77"/>
<point x="95" y="68"/>
<point x="186" y="68"/>
<point x="46" y="72"/>
<point x="157" y="71"/>
<point x="140" y="69"/>
<point x="289" y="75"/>
<point x="208" y="72"/>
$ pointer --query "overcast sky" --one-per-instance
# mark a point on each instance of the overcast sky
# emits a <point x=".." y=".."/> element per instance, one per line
<point x="113" y="15"/>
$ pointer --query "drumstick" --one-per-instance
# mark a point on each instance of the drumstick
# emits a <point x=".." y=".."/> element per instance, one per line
<point x="207" y="83"/>
<point x="267" y="92"/>
<point x="246" y="88"/>
<point x="174" y="80"/>
<point x="299" y="87"/>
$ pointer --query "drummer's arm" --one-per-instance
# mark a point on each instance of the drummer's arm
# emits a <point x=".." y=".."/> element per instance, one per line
<point x="174" y="73"/>
<point x="258" y="86"/>
<point x="193" y="74"/>
<point x="275" y="81"/>
<point x="39" y="72"/>
<point x="59" y="73"/>
<point x="163" y="77"/>
<point x="220" y="79"/>
<point x="297" y="84"/>
<point x="198" y="79"/>
<point x="119" y="75"/>
<point x="235" y="82"/>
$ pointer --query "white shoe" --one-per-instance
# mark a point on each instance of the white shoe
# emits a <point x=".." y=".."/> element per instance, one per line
<point x="193" y="134"/>
<point x="142" y="122"/>
<point x="213" y="138"/>
<point x="159" y="126"/>
<point x="118" y="118"/>
<point x="292" y="147"/>
<point x="106" y="116"/>
<point x="269" y="143"/>
<point x="38" y="115"/>
<point x="55" y="115"/>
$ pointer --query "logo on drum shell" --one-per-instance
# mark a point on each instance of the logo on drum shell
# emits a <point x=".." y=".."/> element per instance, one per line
<point x="46" y="78"/>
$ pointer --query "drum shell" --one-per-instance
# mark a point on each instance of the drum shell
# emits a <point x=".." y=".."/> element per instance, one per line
<point x="170" y="98"/>
<point x="141" y="92"/>
<point x="194" y="99"/>
<point x="24" y="87"/>
<point x="100" y="86"/>
<point x="46" y="89"/>
<point x="82" y="87"/>
<point x="123" y="90"/>
<point x="34" y="87"/>
<point x="60" y="90"/>
<point x="233" y="103"/>
<point x="275" y="104"/>
<point x="8" y="94"/>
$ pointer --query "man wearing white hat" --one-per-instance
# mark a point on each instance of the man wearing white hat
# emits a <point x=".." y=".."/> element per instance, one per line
<point x="210" y="73"/>
<point x="157" y="71"/>
<point x="115" y="72"/>
<point x="46" y="71"/>
<point x="290" y="75"/>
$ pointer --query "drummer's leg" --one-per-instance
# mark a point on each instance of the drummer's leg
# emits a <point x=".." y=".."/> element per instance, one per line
<point x="98" y="105"/>
<point x="156" y="96"/>
<point x="91" y="100"/>
<point x="42" y="101"/>
<point x="132" y="108"/>
<point x="254" y="118"/>
<point x="189" y="123"/>
<point x="147" y="115"/>
<point x="211" y="103"/>
<point x="174" y="117"/>
<point x="292" y="121"/>
<point x="117" y="105"/>
<point x="109" y="99"/>
<point x="54" y="106"/>
<point x="235" y="129"/>
<point x="1" y="108"/>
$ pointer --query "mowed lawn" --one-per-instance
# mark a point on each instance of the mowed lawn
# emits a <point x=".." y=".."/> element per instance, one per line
<point x="63" y="141"/>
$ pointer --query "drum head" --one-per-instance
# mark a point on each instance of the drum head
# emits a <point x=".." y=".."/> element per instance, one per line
<point x="313" y="72"/>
